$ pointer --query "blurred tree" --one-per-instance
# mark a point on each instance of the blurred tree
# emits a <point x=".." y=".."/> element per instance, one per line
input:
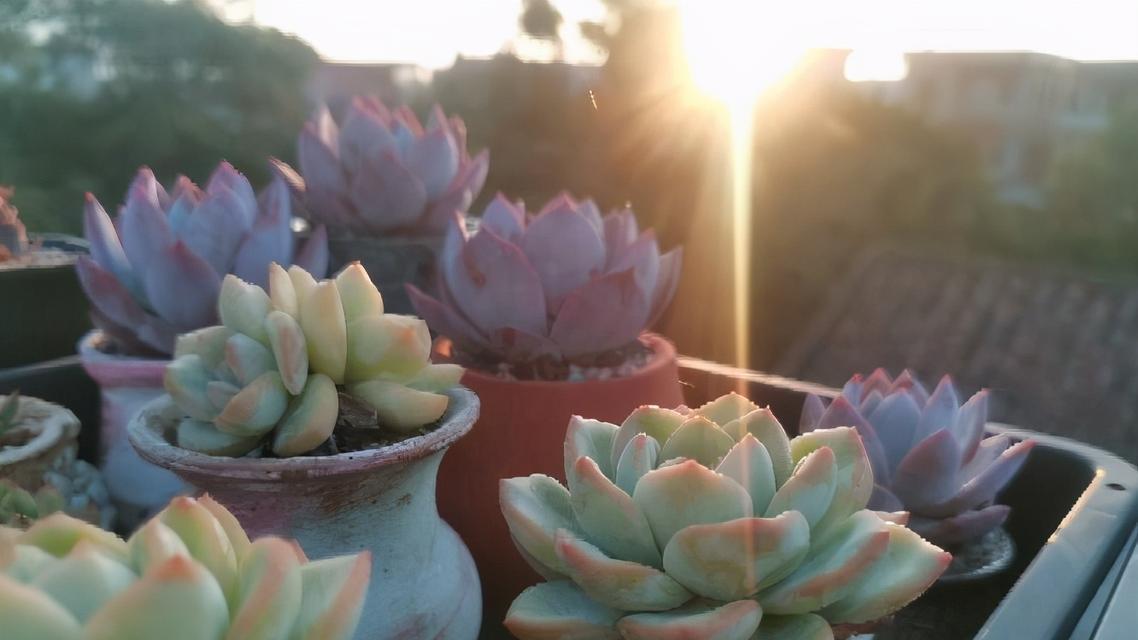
<point x="541" y="19"/>
<point x="116" y="84"/>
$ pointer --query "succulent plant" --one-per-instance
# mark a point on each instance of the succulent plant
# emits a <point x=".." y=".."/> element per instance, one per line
<point x="190" y="573"/>
<point x="9" y="411"/>
<point x="380" y="171"/>
<point x="275" y="365"/>
<point x="709" y="524"/>
<point x="565" y="283"/>
<point x="13" y="235"/>
<point x="154" y="272"/>
<point x="19" y="507"/>
<point x="928" y="452"/>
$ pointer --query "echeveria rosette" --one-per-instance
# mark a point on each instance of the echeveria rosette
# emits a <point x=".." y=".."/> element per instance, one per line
<point x="380" y="171"/>
<point x="928" y="452"/>
<point x="709" y="524"/>
<point x="275" y="366"/>
<point x="190" y="573"/>
<point x="155" y="270"/>
<point x="564" y="283"/>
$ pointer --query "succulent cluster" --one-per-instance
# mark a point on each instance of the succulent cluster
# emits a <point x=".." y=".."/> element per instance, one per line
<point x="381" y="171"/>
<point x="565" y="283"/>
<point x="190" y="573"/>
<point x="13" y="235"/>
<point x="709" y="524"/>
<point x="928" y="452"/>
<point x="20" y="507"/>
<point x="274" y="365"/>
<point x="154" y="272"/>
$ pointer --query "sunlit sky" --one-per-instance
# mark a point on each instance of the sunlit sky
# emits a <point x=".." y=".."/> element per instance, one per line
<point x="432" y="32"/>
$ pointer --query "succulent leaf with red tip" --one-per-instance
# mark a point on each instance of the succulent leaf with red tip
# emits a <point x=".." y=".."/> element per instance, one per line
<point x="928" y="452"/>
<point x="708" y="524"/>
<point x="379" y="170"/>
<point x="564" y="283"/>
<point x="190" y="573"/>
<point x="274" y="365"/>
<point x="155" y="270"/>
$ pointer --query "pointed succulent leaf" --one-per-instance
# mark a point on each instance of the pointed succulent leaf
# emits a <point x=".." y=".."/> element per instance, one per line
<point x="939" y="412"/>
<point x="927" y="475"/>
<point x="207" y="343"/>
<point x="970" y="423"/>
<point x="961" y="528"/>
<point x="852" y="470"/>
<point x="106" y="249"/>
<point x="732" y="560"/>
<point x="593" y="439"/>
<point x="30" y="614"/>
<point x="559" y="609"/>
<point x="186" y="380"/>
<point x="243" y="307"/>
<point x="142" y="224"/>
<point x="983" y="487"/>
<point x="749" y="464"/>
<point x="333" y="591"/>
<point x="386" y="194"/>
<point x="609" y="517"/>
<point x="247" y="358"/>
<point x="326" y="333"/>
<point x="310" y="418"/>
<point x="564" y="249"/>
<point x="812" y="410"/>
<point x="177" y="599"/>
<point x="108" y="294"/>
<point x="358" y="293"/>
<point x="909" y="383"/>
<point x="205" y="539"/>
<point x="58" y="533"/>
<point x="687" y="493"/>
<point x="762" y="424"/>
<point x="398" y="406"/>
<point x="908" y="567"/>
<point x="535" y="508"/>
<point x="841" y="413"/>
<point x="205" y="437"/>
<point x="22" y="562"/>
<point x="389" y="345"/>
<point x="620" y="231"/>
<point x="879" y="381"/>
<point x="832" y="570"/>
<point x="181" y="287"/>
<point x="605" y="313"/>
<point x="229" y="524"/>
<point x="732" y="621"/>
<point x="84" y="580"/>
<point x="434" y="159"/>
<point x="639" y="457"/>
<point x="281" y="291"/>
<point x="652" y="420"/>
<point x="667" y="283"/>
<point x="726" y="408"/>
<point x="437" y="377"/>
<point x="446" y="320"/>
<point x="268" y="593"/>
<point x="505" y="218"/>
<point x="895" y="421"/>
<point x="625" y="585"/>
<point x="256" y="409"/>
<point x="810" y="490"/>
<point x="698" y="439"/>
<point x="153" y="544"/>
<point x="220" y="392"/>
<point x="289" y="350"/>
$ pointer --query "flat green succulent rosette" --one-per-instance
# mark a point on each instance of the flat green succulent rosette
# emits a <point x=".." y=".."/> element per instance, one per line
<point x="190" y="573"/>
<point x="287" y="365"/>
<point x="709" y="523"/>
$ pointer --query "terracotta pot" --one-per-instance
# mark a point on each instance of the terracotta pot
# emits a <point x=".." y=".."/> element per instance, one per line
<point x="521" y="431"/>
<point x="126" y="384"/>
<point x="391" y="263"/>
<point x="423" y="581"/>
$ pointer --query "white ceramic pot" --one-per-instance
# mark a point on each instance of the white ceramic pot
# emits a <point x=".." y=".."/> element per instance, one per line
<point x="126" y="384"/>
<point x="423" y="580"/>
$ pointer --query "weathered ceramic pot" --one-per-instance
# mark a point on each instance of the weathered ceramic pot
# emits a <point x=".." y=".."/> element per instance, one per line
<point x="423" y="581"/>
<point x="47" y="454"/>
<point x="391" y="263"/>
<point x="126" y="384"/>
<point x="521" y="431"/>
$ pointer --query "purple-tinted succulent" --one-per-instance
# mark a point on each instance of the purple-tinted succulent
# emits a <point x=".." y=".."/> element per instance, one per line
<point x="928" y="452"/>
<point x="380" y="171"/>
<point x="155" y="271"/>
<point x="564" y="283"/>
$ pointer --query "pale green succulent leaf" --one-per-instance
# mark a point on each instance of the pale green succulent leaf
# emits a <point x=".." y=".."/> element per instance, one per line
<point x="310" y="418"/>
<point x="361" y="297"/>
<point x="535" y="508"/>
<point x="248" y="358"/>
<point x="609" y="516"/>
<point x="333" y="592"/>
<point x="437" y="377"/>
<point x="810" y="489"/>
<point x="699" y="439"/>
<point x="326" y="332"/>
<point x="399" y="407"/>
<point x="392" y="346"/>
<point x="268" y="592"/>
<point x="593" y="439"/>
<point x="654" y="421"/>
<point x="205" y="437"/>
<point x="84" y="580"/>
<point x="560" y="610"/>
<point x="186" y="380"/>
<point x="625" y="585"/>
<point x="852" y="469"/>
<point x="229" y="524"/>
<point x="22" y="562"/>
<point x="687" y="493"/>
<point x="289" y="350"/>
<point x="243" y="307"/>
<point x="30" y="614"/>
<point x="205" y="539"/>
<point x="256" y="409"/>
<point x="732" y="560"/>
<point x="639" y="457"/>
<point x="749" y="464"/>
<point x="731" y="621"/>
<point x="807" y="626"/>
<point x="766" y="429"/>
<point x="726" y="408"/>
<point x="282" y="293"/>
<point x="58" y="533"/>
<point x="207" y="343"/>
<point x="153" y="544"/>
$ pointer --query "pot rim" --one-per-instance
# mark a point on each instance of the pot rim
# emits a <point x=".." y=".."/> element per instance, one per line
<point x="56" y="425"/>
<point x="115" y="370"/>
<point x="144" y="432"/>
<point x="664" y="354"/>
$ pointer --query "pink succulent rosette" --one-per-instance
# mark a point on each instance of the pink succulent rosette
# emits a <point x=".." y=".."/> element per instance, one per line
<point x="379" y="170"/>
<point x="156" y="269"/>
<point x="928" y="452"/>
<point x="709" y="524"/>
<point x="564" y="283"/>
